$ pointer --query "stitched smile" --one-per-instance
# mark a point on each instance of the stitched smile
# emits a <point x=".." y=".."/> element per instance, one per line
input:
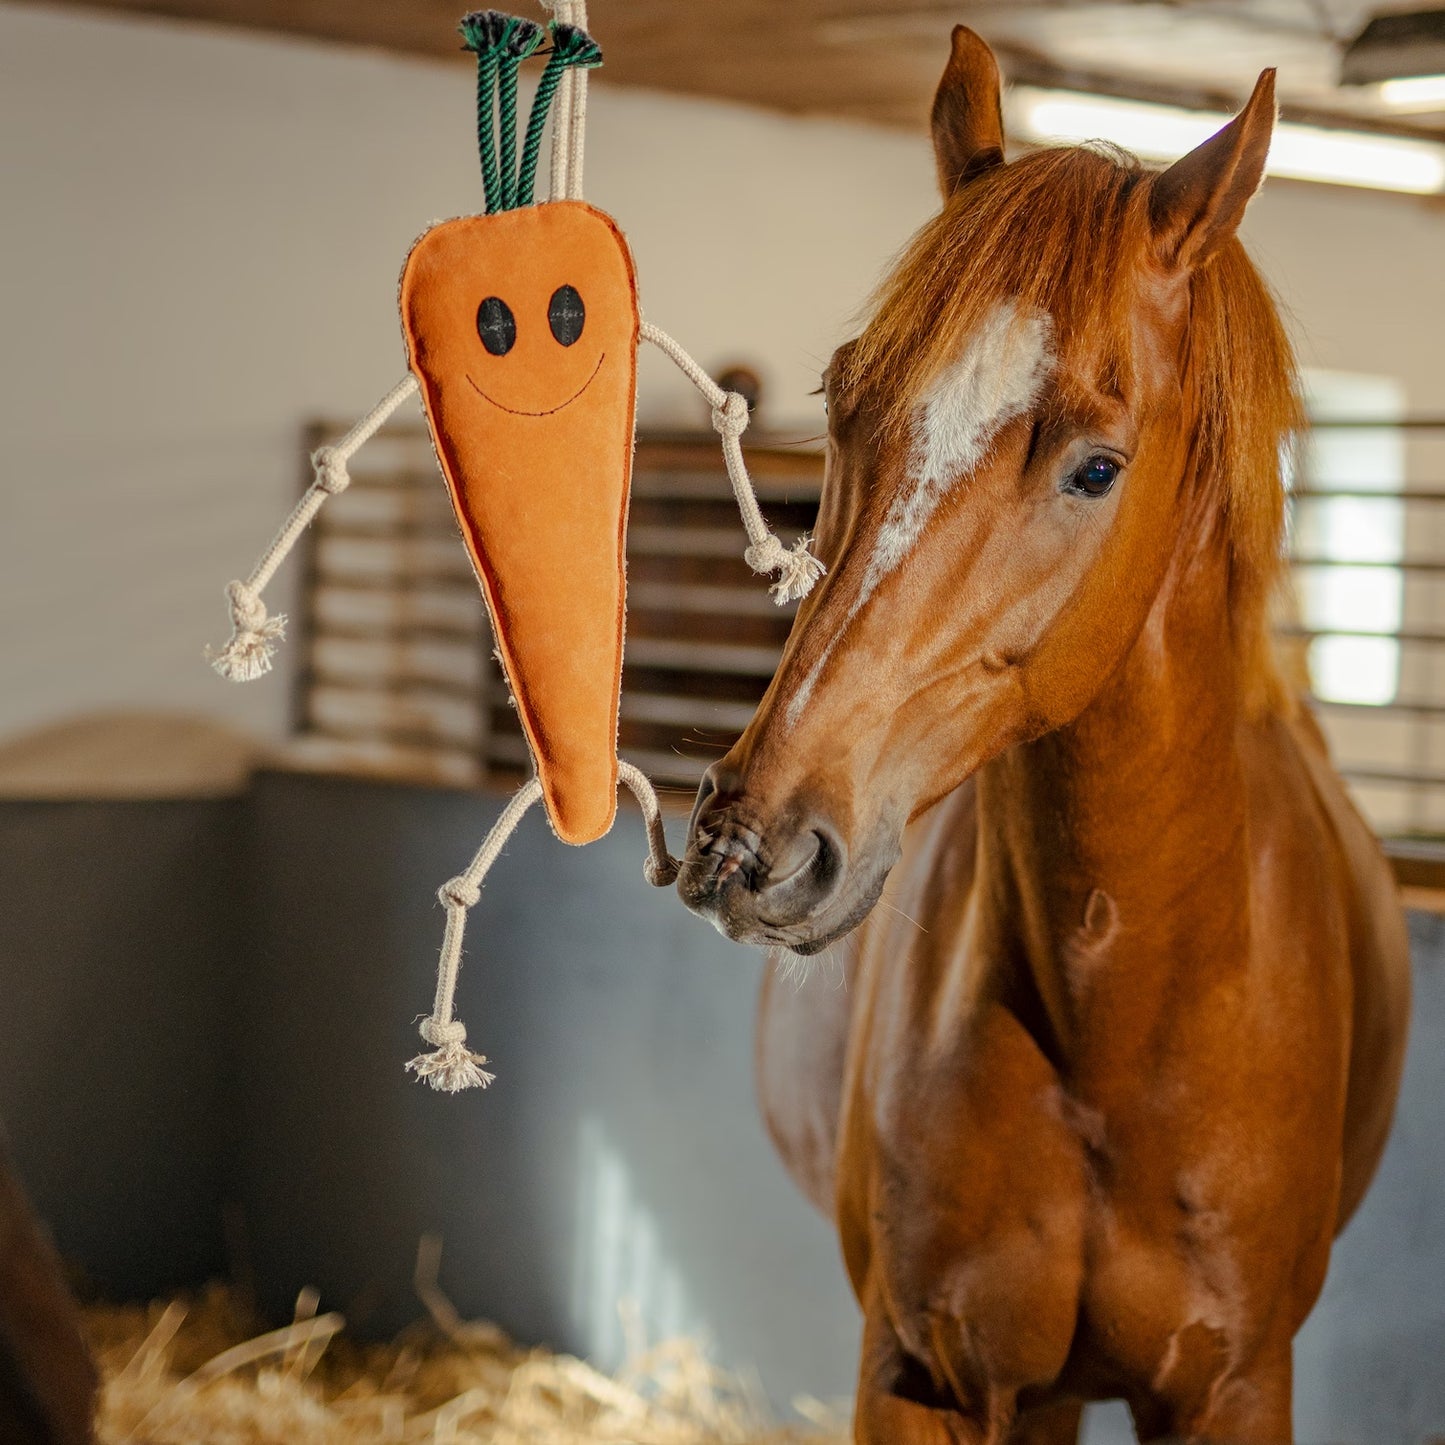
<point x="551" y="410"/>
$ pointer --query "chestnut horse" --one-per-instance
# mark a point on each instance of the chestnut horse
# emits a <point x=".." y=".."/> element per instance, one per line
<point x="1120" y="1059"/>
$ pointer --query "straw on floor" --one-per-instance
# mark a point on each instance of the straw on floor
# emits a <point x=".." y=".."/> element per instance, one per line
<point x="196" y="1372"/>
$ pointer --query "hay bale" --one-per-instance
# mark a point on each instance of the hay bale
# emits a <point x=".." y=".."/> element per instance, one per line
<point x="195" y="1370"/>
<point x="128" y="755"/>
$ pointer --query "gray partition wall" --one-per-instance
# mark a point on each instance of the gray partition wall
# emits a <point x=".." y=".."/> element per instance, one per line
<point x="118" y="946"/>
<point x="208" y="1005"/>
<point x="619" y="1154"/>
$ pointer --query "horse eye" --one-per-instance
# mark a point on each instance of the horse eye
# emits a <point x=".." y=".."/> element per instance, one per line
<point x="1094" y="478"/>
<point x="566" y="315"/>
<point x="496" y="326"/>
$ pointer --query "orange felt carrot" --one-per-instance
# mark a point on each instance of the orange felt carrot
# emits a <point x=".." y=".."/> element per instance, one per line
<point x="523" y="329"/>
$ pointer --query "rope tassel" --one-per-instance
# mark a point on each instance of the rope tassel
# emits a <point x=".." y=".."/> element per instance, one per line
<point x="254" y="637"/>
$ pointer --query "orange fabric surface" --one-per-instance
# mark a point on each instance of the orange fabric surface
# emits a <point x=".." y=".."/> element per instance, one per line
<point x="536" y="446"/>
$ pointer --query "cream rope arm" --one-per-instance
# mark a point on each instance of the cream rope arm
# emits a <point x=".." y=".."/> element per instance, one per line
<point x="254" y="634"/>
<point x="797" y="568"/>
<point x="451" y="1066"/>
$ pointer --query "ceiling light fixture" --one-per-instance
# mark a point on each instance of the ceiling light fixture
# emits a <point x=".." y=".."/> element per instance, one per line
<point x="1414" y="92"/>
<point x="1165" y="132"/>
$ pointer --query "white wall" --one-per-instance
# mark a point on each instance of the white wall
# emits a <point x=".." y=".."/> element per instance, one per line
<point x="202" y="232"/>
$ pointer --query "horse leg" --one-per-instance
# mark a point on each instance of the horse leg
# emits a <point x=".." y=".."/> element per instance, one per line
<point x="1248" y="1406"/>
<point x="898" y="1404"/>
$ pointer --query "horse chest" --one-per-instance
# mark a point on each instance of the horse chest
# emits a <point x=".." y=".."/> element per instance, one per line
<point x="1009" y="1257"/>
<point x="1018" y="1233"/>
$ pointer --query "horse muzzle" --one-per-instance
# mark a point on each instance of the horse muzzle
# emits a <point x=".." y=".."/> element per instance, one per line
<point x="765" y="877"/>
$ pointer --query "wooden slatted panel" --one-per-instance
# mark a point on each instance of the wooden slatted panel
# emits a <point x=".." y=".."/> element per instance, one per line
<point x="398" y="676"/>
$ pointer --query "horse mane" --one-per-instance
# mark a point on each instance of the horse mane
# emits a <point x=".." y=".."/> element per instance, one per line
<point x="1065" y="231"/>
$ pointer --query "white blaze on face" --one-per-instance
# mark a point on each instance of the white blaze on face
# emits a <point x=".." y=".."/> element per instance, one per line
<point x="998" y="377"/>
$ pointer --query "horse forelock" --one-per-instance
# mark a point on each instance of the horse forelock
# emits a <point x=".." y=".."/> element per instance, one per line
<point x="1064" y="235"/>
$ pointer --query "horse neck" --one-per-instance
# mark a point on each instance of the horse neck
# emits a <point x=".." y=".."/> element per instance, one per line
<point x="1121" y="837"/>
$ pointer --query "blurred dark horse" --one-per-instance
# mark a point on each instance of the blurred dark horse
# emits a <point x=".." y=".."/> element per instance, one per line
<point x="47" y="1379"/>
<point x="1120" y="1058"/>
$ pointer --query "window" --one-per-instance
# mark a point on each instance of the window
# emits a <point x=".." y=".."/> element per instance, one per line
<point x="1351" y="591"/>
<point x="1368" y="545"/>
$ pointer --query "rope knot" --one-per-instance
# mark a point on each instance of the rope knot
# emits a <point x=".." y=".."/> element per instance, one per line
<point x="459" y="893"/>
<point x="661" y="875"/>
<point x="730" y="419"/>
<point x="441" y="1035"/>
<point x="767" y="555"/>
<point x="331" y="473"/>
<point x="248" y="612"/>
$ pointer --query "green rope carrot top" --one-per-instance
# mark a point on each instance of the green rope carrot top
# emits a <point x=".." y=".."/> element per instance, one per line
<point x="501" y="43"/>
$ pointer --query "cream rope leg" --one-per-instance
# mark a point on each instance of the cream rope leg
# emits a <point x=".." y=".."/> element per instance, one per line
<point x="661" y="867"/>
<point x="254" y="635"/>
<point x="797" y="568"/>
<point x="451" y="1066"/>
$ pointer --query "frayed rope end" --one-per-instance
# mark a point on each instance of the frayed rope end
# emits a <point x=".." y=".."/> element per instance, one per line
<point x="254" y="637"/>
<point x="452" y="1067"/>
<point x="796" y="567"/>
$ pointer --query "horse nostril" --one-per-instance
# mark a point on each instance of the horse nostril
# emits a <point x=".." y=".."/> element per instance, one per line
<point x="800" y="856"/>
<point x="815" y="859"/>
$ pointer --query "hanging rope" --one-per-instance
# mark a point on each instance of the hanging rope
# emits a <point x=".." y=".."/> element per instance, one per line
<point x="796" y="567"/>
<point x="254" y="634"/>
<point x="501" y="43"/>
<point x="577" y="126"/>
<point x="562" y="11"/>
<point x="572" y="48"/>
<point x="451" y="1066"/>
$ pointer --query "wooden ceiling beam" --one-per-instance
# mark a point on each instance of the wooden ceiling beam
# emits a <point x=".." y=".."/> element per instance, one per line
<point x="868" y="60"/>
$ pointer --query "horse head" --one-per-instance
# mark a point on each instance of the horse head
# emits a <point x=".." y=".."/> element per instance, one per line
<point x="1072" y="382"/>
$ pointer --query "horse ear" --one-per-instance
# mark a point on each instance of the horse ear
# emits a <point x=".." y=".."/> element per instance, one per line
<point x="967" y="113"/>
<point x="1197" y="204"/>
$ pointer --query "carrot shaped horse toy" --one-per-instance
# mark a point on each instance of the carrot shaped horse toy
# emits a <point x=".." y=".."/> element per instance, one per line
<point x="522" y="327"/>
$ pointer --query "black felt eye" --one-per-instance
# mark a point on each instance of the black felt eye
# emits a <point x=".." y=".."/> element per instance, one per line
<point x="566" y="314"/>
<point x="1094" y="478"/>
<point x="496" y="326"/>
